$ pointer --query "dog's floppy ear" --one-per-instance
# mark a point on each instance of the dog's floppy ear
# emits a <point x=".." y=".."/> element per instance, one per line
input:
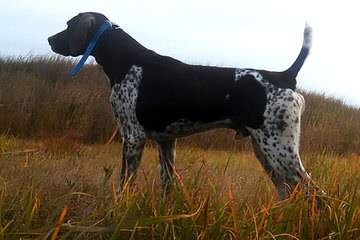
<point x="80" y="33"/>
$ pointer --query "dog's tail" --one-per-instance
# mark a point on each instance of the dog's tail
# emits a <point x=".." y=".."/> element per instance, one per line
<point x="293" y="70"/>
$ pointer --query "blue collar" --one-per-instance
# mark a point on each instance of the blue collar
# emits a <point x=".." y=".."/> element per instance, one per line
<point x="105" y="26"/>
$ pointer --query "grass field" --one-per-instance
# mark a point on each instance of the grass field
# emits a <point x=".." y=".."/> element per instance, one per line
<point x="58" y="177"/>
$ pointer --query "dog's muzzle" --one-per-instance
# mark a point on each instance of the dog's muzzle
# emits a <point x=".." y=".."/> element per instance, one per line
<point x="59" y="43"/>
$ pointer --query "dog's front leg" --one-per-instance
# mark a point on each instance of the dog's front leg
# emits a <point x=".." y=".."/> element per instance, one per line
<point x="167" y="163"/>
<point x="123" y="99"/>
<point x="133" y="147"/>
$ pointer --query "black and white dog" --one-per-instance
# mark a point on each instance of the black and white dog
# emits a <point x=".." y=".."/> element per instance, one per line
<point x="161" y="98"/>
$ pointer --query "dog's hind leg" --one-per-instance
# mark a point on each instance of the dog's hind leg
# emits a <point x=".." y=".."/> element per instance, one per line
<point x="276" y="143"/>
<point x="167" y="163"/>
<point x="269" y="169"/>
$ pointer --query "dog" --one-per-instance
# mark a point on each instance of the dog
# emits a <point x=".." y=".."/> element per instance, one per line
<point x="161" y="98"/>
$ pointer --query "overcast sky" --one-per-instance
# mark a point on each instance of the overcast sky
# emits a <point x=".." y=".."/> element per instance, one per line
<point x="261" y="34"/>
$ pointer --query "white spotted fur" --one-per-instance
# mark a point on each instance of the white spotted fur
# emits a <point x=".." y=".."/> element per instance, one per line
<point x="279" y="138"/>
<point x="239" y="73"/>
<point x="123" y="100"/>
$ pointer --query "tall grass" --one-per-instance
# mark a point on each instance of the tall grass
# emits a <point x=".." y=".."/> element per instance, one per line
<point x="39" y="99"/>
<point x="66" y="190"/>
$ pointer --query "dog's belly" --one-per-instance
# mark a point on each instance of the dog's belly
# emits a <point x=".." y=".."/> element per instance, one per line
<point x="183" y="128"/>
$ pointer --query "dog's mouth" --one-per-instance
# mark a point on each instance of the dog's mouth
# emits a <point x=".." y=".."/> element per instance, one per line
<point x="58" y="51"/>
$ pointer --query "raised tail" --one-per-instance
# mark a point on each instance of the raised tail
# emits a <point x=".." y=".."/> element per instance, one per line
<point x="293" y="70"/>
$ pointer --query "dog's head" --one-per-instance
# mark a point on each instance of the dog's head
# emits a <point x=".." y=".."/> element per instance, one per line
<point x="74" y="39"/>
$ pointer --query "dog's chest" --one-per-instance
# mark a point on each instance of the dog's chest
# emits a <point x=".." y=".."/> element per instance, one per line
<point x="124" y="96"/>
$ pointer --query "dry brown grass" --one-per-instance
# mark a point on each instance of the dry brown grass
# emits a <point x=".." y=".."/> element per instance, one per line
<point x="39" y="99"/>
<point x="221" y="195"/>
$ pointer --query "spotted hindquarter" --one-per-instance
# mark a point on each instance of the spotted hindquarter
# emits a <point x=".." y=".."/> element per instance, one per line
<point x="123" y="100"/>
<point x="276" y="143"/>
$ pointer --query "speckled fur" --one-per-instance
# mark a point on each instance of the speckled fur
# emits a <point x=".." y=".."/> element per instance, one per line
<point x="276" y="143"/>
<point x="123" y="100"/>
<point x="240" y="73"/>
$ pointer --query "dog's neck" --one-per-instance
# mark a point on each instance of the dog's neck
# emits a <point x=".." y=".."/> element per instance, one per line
<point x="116" y="52"/>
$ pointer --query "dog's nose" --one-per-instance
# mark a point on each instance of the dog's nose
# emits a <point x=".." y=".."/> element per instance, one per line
<point x="51" y="40"/>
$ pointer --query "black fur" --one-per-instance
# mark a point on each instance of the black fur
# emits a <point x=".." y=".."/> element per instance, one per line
<point x="183" y="91"/>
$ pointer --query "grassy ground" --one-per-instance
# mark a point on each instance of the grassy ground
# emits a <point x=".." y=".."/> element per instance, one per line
<point x="58" y="178"/>
<point x="59" y="187"/>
